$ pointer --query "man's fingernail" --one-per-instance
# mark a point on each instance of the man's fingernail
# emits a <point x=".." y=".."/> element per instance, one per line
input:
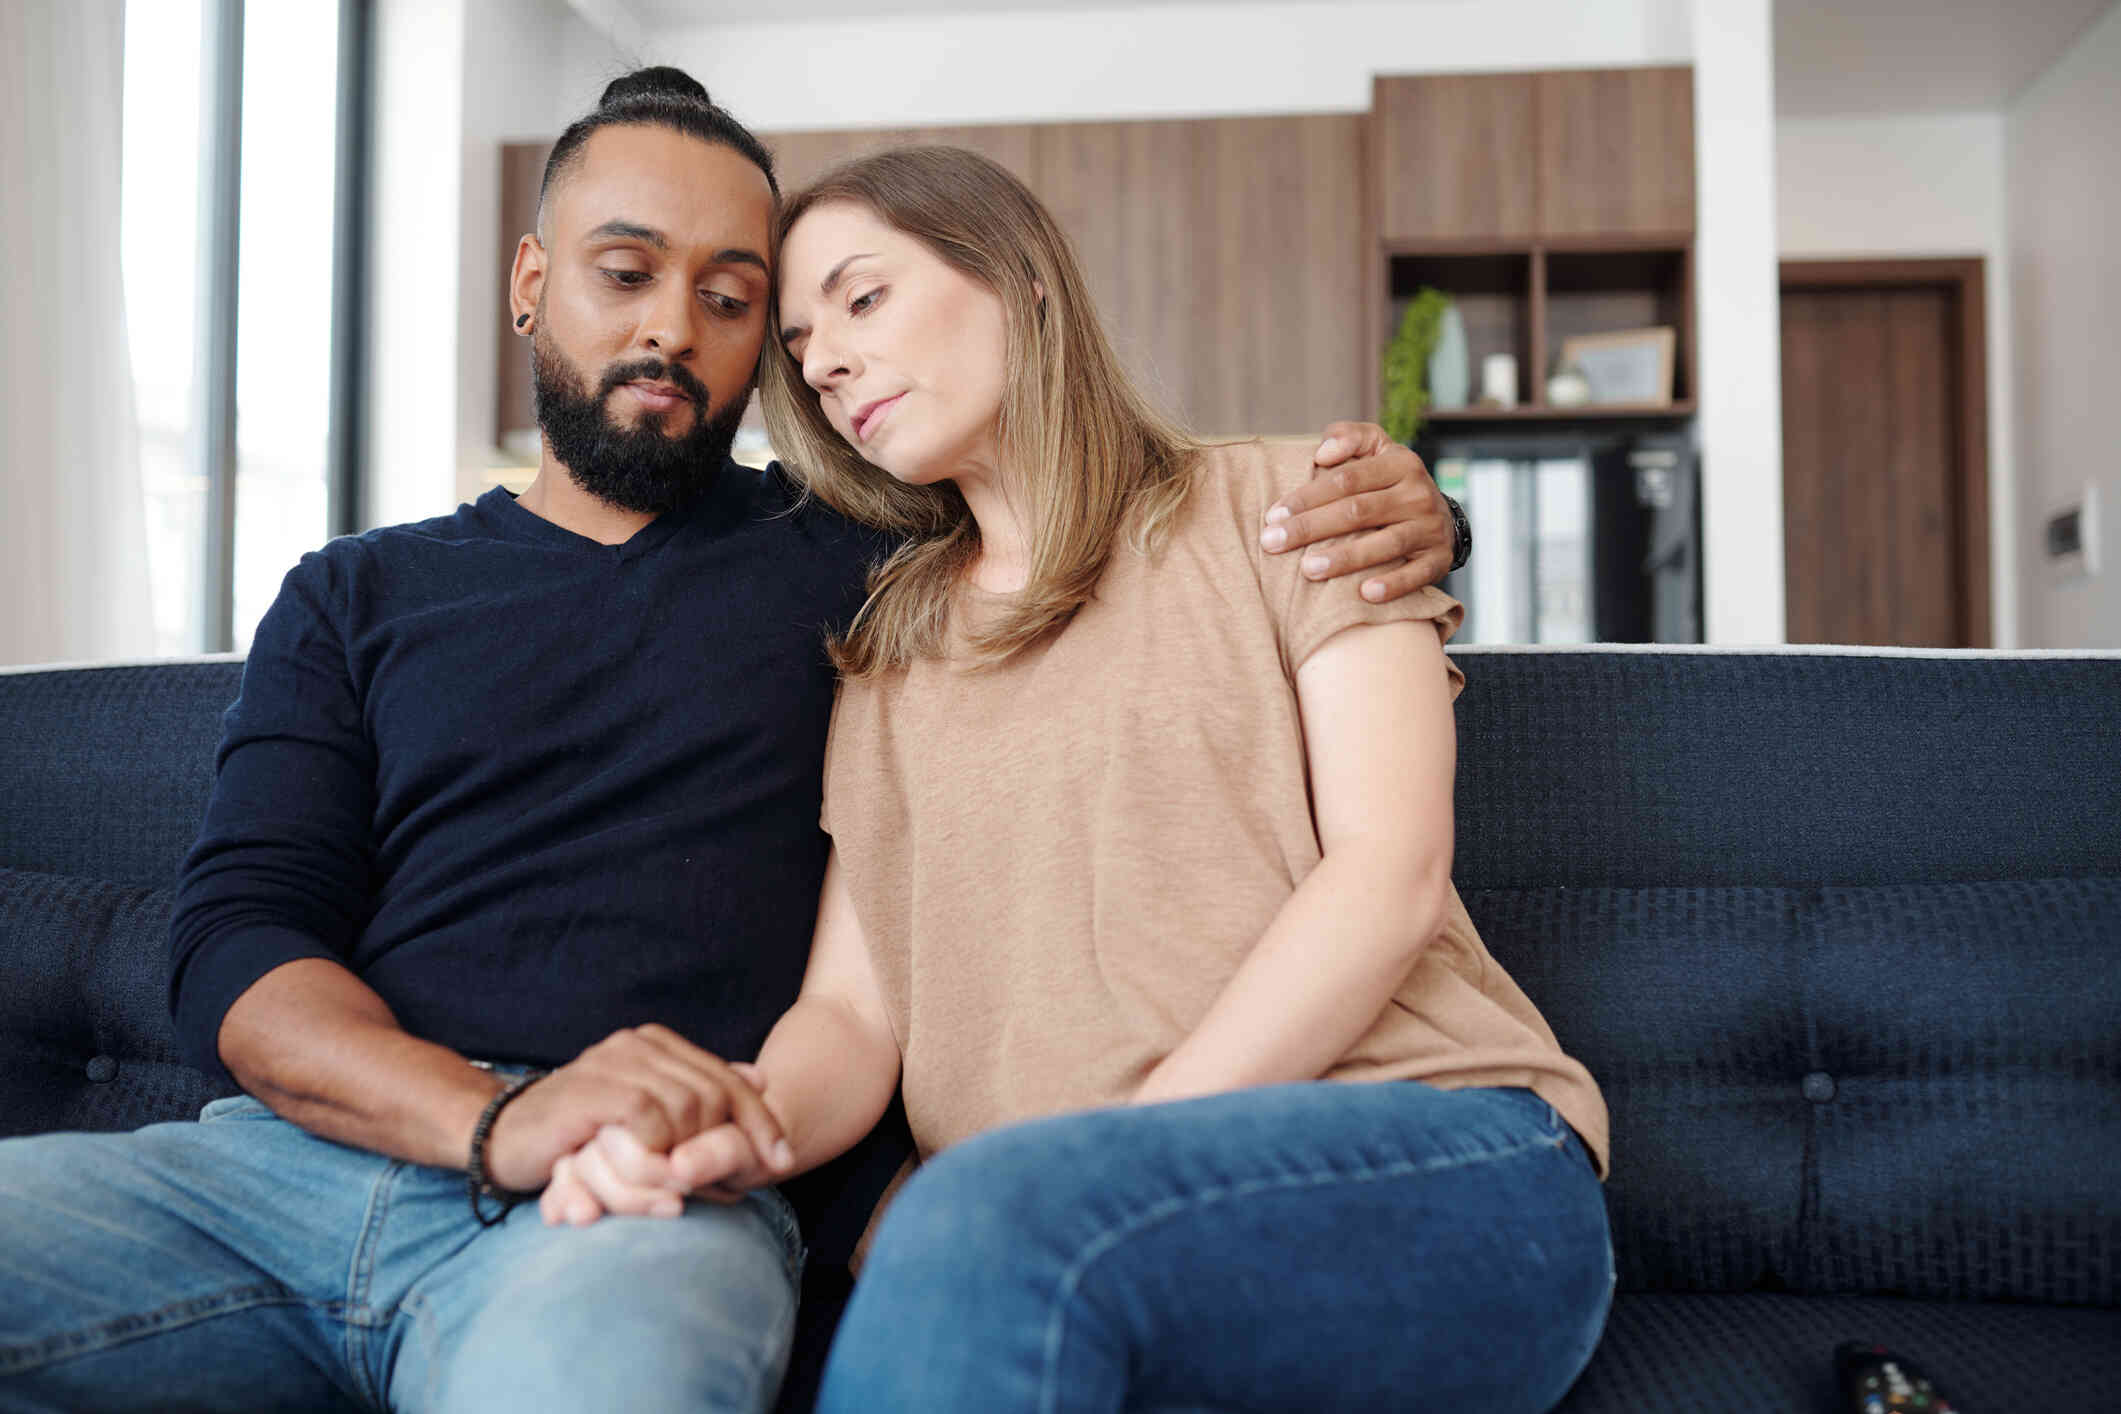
<point x="1315" y="564"/>
<point x="1273" y="537"/>
<point x="1277" y="515"/>
<point x="1374" y="591"/>
<point x="1330" y="447"/>
<point x="782" y="1154"/>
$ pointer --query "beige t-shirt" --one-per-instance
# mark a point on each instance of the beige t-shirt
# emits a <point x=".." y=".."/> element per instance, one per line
<point x="1061" y="861"/>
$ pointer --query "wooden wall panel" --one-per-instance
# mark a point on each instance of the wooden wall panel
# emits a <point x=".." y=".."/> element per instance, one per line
<point x="1453" y="157"/>
<point x="801" y="158"/>
<point x="1615" y="152"/>
<point x="1226" y="256"/>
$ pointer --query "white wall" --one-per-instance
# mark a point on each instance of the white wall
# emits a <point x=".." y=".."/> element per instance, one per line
<point x="2063" y="176"/>
<point x="1918" y="185"/>
<point x="1145" y="61"/>
<point x="454" y="79"/>
<point x="1738" y="322"/>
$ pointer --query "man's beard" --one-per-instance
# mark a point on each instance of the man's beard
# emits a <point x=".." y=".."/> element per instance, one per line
<point x="637" y="468"/>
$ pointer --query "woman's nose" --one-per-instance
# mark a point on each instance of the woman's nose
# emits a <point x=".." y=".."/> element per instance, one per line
<point x="825" y="363"/>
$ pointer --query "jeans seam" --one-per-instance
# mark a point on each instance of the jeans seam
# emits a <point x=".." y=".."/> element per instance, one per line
<point x="1103" y="1242"/>
<point x="15" y="1360"/>
<point x="359" y="1320"/>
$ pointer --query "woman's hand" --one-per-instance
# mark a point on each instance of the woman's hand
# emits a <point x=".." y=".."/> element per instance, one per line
<point x="615" y="1173"/>
<point x="1364" y="481"/>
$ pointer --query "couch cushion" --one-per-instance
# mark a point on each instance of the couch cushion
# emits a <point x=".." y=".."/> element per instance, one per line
<point x="1684" y="1003"/>
<point x="1972" y="1033"/>
<point x="1774" y="1354"/>
<point x="85" y="1035"/>
<point x="1912" y="1089"/>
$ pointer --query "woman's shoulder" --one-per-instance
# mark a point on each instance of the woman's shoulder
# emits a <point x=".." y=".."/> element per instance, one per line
<point x="1233" y="483"/>
<point x="1251" y="475"/>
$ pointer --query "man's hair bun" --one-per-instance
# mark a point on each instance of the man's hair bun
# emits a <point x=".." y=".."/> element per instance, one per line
<point x="660" y="83"/>
<point x="658" y="97"/>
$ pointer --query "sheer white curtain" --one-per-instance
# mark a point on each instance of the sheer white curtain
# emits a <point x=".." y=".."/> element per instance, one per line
<point x="73" y="554"/>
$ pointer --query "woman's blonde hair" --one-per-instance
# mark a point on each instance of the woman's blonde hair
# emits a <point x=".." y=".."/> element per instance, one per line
<point x="1082" y="452"/>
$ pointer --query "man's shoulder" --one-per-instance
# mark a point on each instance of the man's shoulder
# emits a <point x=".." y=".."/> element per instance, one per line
<point x="781" y="495"/>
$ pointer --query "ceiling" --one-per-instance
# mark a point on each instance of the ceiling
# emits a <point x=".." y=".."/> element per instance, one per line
<point x="677" y="14"/>
<point x="1836" y="57"/>
<point x="1832" y="57"/>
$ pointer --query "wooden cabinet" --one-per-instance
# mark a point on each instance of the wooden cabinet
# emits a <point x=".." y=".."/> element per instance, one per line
<point x="1616" y="153"/>
<point x="1451" y="157"/>
<point x="1604" y="154"/>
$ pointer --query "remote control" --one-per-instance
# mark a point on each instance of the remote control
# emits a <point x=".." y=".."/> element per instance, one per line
<point x="1876" y="1381"/>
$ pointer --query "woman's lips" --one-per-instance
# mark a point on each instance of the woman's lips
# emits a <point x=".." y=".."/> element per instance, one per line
<point x="872" y="417"/>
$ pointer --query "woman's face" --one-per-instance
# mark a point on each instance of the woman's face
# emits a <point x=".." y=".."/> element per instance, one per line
<point x="907" y="355"/>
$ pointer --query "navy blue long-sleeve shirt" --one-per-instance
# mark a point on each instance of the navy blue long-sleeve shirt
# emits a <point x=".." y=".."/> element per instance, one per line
<point x="530" y="788"/>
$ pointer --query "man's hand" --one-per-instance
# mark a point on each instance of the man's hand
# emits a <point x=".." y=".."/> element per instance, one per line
<point x="1365" y="482"/>
<point x="614" y="1173"/>
<point x="648" y="1081"/>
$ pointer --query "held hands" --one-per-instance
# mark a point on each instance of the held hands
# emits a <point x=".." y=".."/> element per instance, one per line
<point x="1364" y="481"/>
<point x="637" y="1097"/>
<point x="615" y="1173"/>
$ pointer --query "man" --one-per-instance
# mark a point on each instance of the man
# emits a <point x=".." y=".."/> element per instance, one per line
<point x="532" y="787"/>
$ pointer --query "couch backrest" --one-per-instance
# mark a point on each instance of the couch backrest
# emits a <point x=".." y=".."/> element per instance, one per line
<point x="1840" y="935"/>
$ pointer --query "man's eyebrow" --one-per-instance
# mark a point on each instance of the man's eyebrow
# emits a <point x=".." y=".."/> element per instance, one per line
<point x="738" y="255"/>
<point x="650" y="236"/>
<point x="631" y="231"/>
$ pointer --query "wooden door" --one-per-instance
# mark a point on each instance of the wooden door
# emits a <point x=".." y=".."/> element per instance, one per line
<point x="1616" y="153"/>
<point x="1452" y="157"/>
<point x="1884" y="490"/>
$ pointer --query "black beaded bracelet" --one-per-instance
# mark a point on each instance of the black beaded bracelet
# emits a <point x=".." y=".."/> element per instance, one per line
<point x="477" y="1183"/>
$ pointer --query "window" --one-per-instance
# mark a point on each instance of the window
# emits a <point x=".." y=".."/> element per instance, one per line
<point x="216" y="564"/>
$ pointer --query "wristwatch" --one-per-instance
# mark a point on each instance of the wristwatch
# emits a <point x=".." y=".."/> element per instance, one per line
<point x="1461" y="535"/>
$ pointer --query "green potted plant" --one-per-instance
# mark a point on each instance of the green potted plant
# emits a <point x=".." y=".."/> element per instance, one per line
<point x="1406" y="364"/>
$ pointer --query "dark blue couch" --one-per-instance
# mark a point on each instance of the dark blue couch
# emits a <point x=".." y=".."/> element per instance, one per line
<point x="1840" y="933"/>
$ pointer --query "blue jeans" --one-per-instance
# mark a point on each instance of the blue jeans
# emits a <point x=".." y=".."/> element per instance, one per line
<point x="243" y="1263"/>
<point x="1305" y="1247"/>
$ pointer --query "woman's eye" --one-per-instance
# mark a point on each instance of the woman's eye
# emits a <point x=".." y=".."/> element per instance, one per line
<point x="864" y="303"/>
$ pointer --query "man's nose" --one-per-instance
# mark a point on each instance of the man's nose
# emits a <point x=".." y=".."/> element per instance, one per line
<point x="670" y="325"/>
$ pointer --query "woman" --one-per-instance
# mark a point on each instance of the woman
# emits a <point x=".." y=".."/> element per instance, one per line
<point x="1138" y="835"/>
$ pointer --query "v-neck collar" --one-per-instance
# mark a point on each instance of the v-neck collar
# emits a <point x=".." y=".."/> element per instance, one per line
<point x="712" y="509"/>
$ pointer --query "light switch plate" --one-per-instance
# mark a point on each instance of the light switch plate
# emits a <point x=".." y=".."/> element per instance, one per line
<point x="2071" y="537"/>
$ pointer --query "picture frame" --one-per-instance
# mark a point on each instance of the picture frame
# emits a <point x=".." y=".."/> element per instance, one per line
<point x="1628" y="367"/>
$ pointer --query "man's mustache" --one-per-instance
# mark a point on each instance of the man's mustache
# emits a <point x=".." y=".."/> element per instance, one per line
<point x="651" y="370"/>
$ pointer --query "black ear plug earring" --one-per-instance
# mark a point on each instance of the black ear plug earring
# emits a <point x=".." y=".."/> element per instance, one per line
<point x="521" y="320"/>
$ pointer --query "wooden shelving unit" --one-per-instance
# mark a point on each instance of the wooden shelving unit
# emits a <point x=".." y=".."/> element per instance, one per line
<point x="1548" y="206"/>
<point x="1528" y="301"/>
